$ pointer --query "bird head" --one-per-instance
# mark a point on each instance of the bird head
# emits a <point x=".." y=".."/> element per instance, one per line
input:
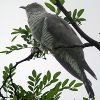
<point x="32" y="8"/>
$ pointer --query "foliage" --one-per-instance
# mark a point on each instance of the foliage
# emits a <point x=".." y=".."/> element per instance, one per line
<point x="76" y="15"/>
<point x="39" y="87"/>
<point x="25" y="34"/>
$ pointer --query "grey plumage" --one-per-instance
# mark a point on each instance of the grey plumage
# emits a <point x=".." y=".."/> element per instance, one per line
<point x="53" y="32"/>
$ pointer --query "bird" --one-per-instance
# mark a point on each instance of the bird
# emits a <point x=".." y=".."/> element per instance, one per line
<point x="55" y="34"/>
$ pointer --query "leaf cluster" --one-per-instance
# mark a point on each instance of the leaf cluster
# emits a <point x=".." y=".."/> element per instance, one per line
<point x="76" y="15"/>
<point x="39" y="87"/>
<point x="8" y="88"/>
<point x="53" y="8"/>
<point x="12" y="48"/>
<point x="25" y="34"/>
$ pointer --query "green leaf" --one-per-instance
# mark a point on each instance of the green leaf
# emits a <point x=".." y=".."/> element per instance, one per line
<point x="37" y="90"/>
<point x="8" y="48"/>
<point x="31" y="83"/>
<point x="69" y="13"/>
<point x="80" y="12"/>
<point x="14" y="98"/>
<point x="3" y="52"/>
<point x="6" y="69"/>
<point x="25" y="45"/>
<point x="56" y="88"/>
<point x="52" y="8"/>
<point x="14" y="47"/>
<point x="78" y="84"/>
<point x="10" y="92"/>
<point x="19" y="45"/>
<point x="14" y="38"/>
<point x="74" y="13"/>
<point x="13" y="69"/>
<point x="48" y="75"/>
<point x="37" y="81"/>
<point x="84" y="98"/>
<point x="50" y="95"/>
<point x="73" y="89"/>
<point x="56" y="75"/>
<point x="45" y="80"/>
<point x="30" y="87"/>
<point x="11" y="88"/>
<point x="71" y="83"/>
<point x="53" y="92"/>
<point x="10" y="65"/>
<point x="5" y="88"/>
<point x="14" y="32"/>
<point x="12" y="74"/>
<point x="53" y="81"/>
<point x="17" y="29"/>
<point x="7" y="52"/>
<point x="81" y="19"/>
<point x="5" y="75"/>
<point x="57" y="96"/>
<point x="27" y="28"/>
<point x="23" y="31"/>
<point x="46" y="52"/>
<point x="38" y="76"/>
<point x="34" y="73"/>
<point x="65" y="82"/>
<point x="62" y="1"/>
<point x="41" y="85"/>
<point x="58" y="85"/>
<point x="58" y="11"/>
<point x="53" y="1"/>
<point x="66" y="87"/>
<point x="31" y="78"/>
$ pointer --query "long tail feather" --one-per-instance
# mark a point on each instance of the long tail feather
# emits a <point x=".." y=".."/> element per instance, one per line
<point x="89" y="70"/>
<point x="89" y="89"/>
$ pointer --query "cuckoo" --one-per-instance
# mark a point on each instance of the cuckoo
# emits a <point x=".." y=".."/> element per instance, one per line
<point x="55" y="34"/>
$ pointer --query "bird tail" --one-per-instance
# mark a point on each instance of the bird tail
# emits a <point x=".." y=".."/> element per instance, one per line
<point x="70" y="65"/>
<point x="88" y="86"/>
<point x="89" y="70"/>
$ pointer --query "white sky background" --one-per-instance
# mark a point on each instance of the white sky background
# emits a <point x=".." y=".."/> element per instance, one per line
<point x="13" y="17"/>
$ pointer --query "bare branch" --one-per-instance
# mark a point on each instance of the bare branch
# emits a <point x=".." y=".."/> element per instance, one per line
<point x="74" y="46"/>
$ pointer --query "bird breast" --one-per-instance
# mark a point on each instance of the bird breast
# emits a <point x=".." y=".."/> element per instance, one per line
<point x="35" y="23"/>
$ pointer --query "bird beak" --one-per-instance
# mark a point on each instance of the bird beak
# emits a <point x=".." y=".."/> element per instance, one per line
<point x="23" y="7"/>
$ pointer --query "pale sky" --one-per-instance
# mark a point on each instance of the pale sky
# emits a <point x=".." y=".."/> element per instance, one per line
<point x="13" y="17"/>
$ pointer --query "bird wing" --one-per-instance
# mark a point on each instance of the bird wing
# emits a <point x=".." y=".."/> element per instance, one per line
<point x="64" y="36"/>
<point x="72" y="59"/>
<point x="62" y="30"/>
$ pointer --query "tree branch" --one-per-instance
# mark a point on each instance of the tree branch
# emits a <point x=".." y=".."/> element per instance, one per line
<point x="36" y="50"/>
<point x="74" y="46"/>
<point x="86" y="37"/>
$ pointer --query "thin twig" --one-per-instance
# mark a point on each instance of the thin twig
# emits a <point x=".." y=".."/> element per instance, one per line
<point x="1" y="95"/>
<point x="90" y="40"/>
<point x="74" y="46"/>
